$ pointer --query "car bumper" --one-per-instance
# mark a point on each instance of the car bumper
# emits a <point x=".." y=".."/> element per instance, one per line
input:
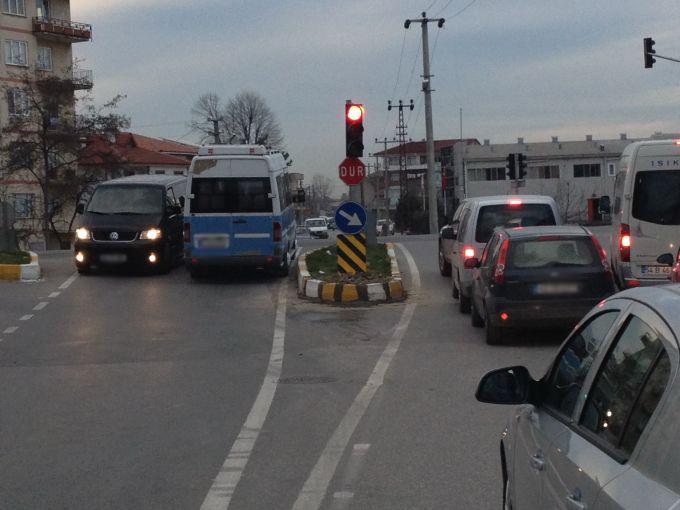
<point x="134" y="253"/>
<point x="233" y="261"/>
<point x="537" y="314"/>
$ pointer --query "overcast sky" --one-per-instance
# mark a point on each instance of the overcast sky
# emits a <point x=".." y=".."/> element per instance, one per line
<point x="531" y="68"/>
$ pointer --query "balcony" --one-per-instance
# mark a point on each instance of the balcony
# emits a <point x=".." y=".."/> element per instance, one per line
<point x="83" y="79"/>
<point x="76" y="79"/>
<point x="62" y="30"/>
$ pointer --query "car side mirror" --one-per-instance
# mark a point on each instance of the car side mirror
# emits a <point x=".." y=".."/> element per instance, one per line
<point x="666" y="259"/>
<point x="80" y="208"/>
<point x="182" y="202"/>
<point x="472" y="263"/>
<point x="174" y="209"/>
<point x="509" y="386"/>
<point x="447" y="233"/>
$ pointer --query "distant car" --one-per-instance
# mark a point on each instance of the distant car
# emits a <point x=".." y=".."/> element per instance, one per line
<point x="385" y="228"/>
<point x="599" y="430"/>
<point x="537" y="277"/>
<point x="675" y="275"/>
<point x="317" y="227"/>
<point x="472" y="226"/>
<point x="331" y="223"/>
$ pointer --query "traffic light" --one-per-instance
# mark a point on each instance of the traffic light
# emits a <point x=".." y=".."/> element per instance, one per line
<point x="354" y="130"/>
<point x="521" y="166"/>
<point x="649" y="52"/>
<point x="512" y="173"/>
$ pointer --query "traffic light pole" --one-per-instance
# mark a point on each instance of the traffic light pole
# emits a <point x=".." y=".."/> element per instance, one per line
<point x="427" y="91"/>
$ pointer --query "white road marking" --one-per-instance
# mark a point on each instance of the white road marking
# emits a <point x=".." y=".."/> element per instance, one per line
<point x="40" y="306"/>
<point x="360" y="448"/>
<point x="222" y="490"/>
<point x="68" y="282"/>
<point x="54" y="294"/>
<point x="314" y="490"/>
<point x="343" y="495"/>
<point x="10" y="330"/>
<point x="26" y="317"/>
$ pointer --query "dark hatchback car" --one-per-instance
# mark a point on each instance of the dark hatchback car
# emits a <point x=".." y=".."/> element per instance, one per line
<point x="537" y="277"/>
<point x="134" y="221"/>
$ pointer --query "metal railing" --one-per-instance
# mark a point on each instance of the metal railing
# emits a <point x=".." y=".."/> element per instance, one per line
<point x="83" y="78"/>
<point x="62" y="27"/>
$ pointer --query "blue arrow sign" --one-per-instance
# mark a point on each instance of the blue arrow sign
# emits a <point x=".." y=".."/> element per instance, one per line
<point x="350" y="218"/>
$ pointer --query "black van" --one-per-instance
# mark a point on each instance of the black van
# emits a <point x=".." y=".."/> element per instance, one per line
<point x="134" y="220"/>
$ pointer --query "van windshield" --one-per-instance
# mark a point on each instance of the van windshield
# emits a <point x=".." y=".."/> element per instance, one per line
<point x="126" y="199"/>
<point x="656" y="198"/>
<point x="511" y="215"/>
<point x="315" y="223"/>
<point x="231" y="195"/>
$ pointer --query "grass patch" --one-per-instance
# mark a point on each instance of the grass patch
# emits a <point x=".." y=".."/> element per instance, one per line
<point x="323" y="264"/>
<point x="15" y="257"/>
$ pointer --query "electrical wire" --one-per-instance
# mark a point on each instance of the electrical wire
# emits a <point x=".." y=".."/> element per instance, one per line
<point x="396" y="81"/>
<point x="431" y="5"/>
<point x="413" y="69"/>
<point x="457" y="13"/>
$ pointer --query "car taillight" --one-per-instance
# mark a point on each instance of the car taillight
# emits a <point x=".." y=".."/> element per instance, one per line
<point x="468" y="252"/>
<point x="277" y="232"/>
<point x="499" y="270"/>
<point x="187" y="233"/>
<point x="603" y="255"/>
<point x="625" y="242"/>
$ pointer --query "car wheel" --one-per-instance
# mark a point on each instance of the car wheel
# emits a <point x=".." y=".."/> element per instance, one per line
<point x="464" y="303"/>
<point x="477" y="320"/>
<point x="444" y="266"/>
<point x="284" y="269"/>
<point x="494" y="334"/>
<point x="84" y="270"/>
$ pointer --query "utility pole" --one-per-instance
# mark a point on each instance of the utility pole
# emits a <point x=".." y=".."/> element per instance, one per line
<point x="401" y="138"/>
<point x="386" y="175"/>
<point x="427" y="91"/>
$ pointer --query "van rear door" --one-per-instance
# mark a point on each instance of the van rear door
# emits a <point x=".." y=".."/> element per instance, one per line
<point x="655" y="214"/>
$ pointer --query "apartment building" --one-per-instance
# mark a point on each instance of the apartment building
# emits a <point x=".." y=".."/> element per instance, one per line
<point x="37" y="37"/>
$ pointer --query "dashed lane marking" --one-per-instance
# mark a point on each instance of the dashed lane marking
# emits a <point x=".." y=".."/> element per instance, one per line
<point x="10" y="330"/>
<point x="343" y="495"/>
<point x="54" y="294"/>
<point x="222" y="490"/>
<point x="68" y="282"/>
<point x="40" y="306"/>
<point x="314" y="490"/>
<point x="26" y="317"/>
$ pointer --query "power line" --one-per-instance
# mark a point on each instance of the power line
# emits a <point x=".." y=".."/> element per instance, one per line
<point x="431" y="5"/>
<point x="413" y="69"/>
<point x="457" y="13"/>
<point x="396" y="81"/>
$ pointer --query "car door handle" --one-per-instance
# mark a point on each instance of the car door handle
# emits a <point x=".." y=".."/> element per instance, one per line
<point x="574" y="502"/>
<point x="537" y="462"/>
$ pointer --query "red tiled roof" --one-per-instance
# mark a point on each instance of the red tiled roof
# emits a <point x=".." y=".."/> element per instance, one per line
<point x="155" y="144"/>
<point x="126" y="150"/>
<point x="421" y="147"/>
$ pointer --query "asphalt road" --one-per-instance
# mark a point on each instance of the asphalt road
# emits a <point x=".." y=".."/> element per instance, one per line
<point x="158" y="392"/>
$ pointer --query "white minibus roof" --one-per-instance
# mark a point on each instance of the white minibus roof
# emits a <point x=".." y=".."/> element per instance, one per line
<point x="232" y="150"/>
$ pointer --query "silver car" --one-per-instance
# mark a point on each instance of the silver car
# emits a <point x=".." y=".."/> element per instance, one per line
<point x="601" y="430"/>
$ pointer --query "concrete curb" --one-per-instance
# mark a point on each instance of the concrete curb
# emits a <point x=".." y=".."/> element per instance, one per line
<point x="21" y="272"/>
<point x="392" y="290"/>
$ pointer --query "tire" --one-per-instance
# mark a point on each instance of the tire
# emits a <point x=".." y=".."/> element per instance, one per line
<point x="444" y="266"/>
<point x="84" y="270"/>
<point x="494" y="334"/>
<point x="477" y="320"/>
<point x="167" y="262"/>
<point x="284" y="269"/>
<point x="464" y="303"/>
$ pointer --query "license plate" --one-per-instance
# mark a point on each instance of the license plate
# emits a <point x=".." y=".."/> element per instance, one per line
<point x="664" y="270"/>
<point x="556" y="288"/>
<point x="113" y="258"/>
<point x="212" y="241"/>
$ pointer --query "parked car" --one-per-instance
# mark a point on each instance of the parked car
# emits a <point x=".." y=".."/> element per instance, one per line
<point x="385" y="228"/>
<point x="675" y="275"/>
<point x="134" y="220"/>
<point x="646" y="212"/>
<point x="331" y="222"/>
<point x="317" y="227"/>
<point x="537" y="277"/>
<point x="472" y="226"/>
<point x="599" y="430"/>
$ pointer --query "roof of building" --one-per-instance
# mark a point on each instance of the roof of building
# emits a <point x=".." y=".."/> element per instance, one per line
<point x="421" y="147"/>
<point x="146" y="179"/>
<point x="133" y="149"/>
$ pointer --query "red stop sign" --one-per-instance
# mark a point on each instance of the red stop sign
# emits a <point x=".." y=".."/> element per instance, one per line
<point x="352" y="171"/>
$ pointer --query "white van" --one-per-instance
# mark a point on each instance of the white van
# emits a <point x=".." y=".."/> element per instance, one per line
<point x="473" y="225"/>
<point x="646" y="212"/>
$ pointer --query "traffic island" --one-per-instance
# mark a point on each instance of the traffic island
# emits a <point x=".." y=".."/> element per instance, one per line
<point x="19" y="266"/>
<point x="319" y="279"/>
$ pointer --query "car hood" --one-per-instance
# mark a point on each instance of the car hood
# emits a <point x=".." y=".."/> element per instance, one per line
<point x="121" y="221"/>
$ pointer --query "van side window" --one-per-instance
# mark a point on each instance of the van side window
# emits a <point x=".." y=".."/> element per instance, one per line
<point x="618" y="192"/>
<point x="464" y="224"/>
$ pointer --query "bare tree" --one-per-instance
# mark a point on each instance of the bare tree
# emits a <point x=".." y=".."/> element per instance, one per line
<point x="43" y="143"/>
<point x="208" y="117"/>
<point x="570" y="201"/>
<point x="249" y="120"/>
<point x="320" y="193"/>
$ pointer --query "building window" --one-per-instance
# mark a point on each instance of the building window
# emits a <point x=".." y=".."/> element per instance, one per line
<point x="410" y="160"/>
<point x="16" y="53"/>
<point x="611" y="169"/>
<point x="16" y="7"/>
<point x="23" y="204"/>
<point x="587" y="170"/>
<point x="159" y="172"/>
<point x="20" y="155"/>
<point x="179" y="172"/>
<point x="393" y="161"/>
<point x="487" y="174"/>
<point x="423" y="160"/>
<point x="17" y="102"/>
<point x="45" y="58"/>
<point x="544" y="172"/>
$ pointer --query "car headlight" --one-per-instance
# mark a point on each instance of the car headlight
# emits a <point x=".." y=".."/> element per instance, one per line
<point x="82" y="233"/>
<point x="152" y="234"/>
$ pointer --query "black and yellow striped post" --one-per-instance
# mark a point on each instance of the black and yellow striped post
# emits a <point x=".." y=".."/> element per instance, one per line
<point x="352" y="253"/>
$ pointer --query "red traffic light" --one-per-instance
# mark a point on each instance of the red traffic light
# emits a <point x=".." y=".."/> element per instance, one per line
<point x="355" y="112"/>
